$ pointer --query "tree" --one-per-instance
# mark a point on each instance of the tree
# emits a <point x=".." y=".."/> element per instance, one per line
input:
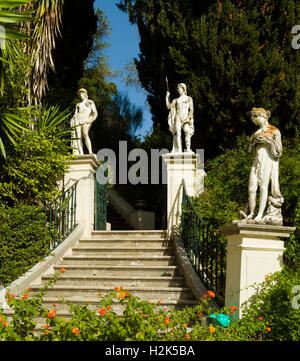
<point x="10" y="55"/>
<point x="79" y="26"/>
<point x="232" y="54"/>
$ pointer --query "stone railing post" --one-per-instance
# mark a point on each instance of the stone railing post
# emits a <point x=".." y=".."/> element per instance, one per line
<point x="253" y="252"/>
<point x="84" y="169"/>
<point x="181" y="166"/>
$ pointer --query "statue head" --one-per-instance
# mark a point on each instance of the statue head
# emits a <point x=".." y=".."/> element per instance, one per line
<point x="82" y="93"/>
<point x="260" y="116"/>
<point x="183" y="87"/>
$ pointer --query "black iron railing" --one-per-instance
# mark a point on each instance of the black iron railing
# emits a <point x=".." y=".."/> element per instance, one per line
<point x="205" y="251"/>
<point x="61" y="216"/>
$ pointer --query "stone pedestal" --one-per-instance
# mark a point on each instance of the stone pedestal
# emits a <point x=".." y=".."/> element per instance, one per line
<point x="253" y="252"/>
<point x="83" y="169"/>
<point x="181" y="166"/>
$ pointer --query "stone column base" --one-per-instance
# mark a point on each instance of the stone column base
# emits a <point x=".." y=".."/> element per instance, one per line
<point x="253" y="252"/>
<point x="83" y="169"/>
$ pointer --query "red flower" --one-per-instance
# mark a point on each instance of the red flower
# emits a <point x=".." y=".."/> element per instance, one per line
<point x="25" y="296"/>
<point x="51" y="314"/>
<point x="62" y="270"/>
<point x="260" y="318"/>
<point x="205" y="296"/>
<point x="211" y="294"/>
<point x="187" y="336"/>
<point x="76" y="330"/>
<point x="167" y="320"/>
<point x="268" y="329"/>
<point x="103" y="311"/>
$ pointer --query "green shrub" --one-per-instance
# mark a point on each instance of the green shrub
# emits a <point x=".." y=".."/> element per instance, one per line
<point x="270" y="316"/>
<point x="32" y="169"/>
<point x="23" y="242"/>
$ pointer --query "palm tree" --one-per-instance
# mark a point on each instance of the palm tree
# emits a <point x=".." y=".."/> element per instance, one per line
<point x="43" y="31"/>
<point x="10" y="20"/>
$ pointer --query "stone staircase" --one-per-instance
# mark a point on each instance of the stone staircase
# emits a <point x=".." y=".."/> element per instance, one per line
<point x="143" y="262"/>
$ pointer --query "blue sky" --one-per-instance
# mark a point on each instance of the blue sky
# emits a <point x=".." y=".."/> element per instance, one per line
<point x="124" y="45"/>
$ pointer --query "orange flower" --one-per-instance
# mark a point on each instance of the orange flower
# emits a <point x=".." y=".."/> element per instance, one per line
<point x="1" y="319"/>
<point x="187" y="336"/>
<point x="212" y="329"/>
<point x="5" y="323"/>
<point x="103" y="311"/>
<point x="211" y="294"/>
<point x="121" y="288"/>
<point x="116" y="288"/>
<point x="76" y="330"/>
<point x="185" y="325"/>
<point x="47" y="331"/>
<point x="200" y="314"/>
<point x="205" y="295"/>
<point x="47" y="326"/>
<point x="127" y="294"/>
<point x="268" y="329"/>
<point x="25" y="296"/>
<point x="167" y="320"/>
<point x="267" y="278"/>
<point x="99" y="294"/>
<point x="51" y="314"/>
<point x="108" y="307"/>
<point x="122" y="295"/>
<point x="62" y="270"/>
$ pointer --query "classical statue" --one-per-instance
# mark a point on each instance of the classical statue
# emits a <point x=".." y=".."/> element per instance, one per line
<point x="85" y="115"/>
<point x="181" y="115"/>
<point x="265" y="170"/>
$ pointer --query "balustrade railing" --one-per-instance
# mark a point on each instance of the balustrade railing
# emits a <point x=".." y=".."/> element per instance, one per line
<point x="61" y="216"/>
<point x="205" y="251"/>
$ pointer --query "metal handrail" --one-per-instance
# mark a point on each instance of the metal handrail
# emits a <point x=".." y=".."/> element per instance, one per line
<point x="204" y="250"/>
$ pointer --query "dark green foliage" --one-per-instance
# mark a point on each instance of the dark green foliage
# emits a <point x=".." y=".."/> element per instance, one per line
<point x="233" y="55"/>
<point x="79" y="24"/>
<point x="22" y="240"/>
<point x="33" y="168"/>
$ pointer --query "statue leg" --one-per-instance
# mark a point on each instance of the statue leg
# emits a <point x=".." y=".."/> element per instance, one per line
<point x="187" y="135"/>
<point x="79" y="140"/>
<point x="265" y="180"/>
<point x="85" y="131"/>
<point x="178" y="138"/>
<point x="252" y="189"/>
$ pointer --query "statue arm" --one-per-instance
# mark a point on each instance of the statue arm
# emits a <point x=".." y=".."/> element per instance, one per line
<point x="191" y="110"/>
<point x="168" y="104"/>
<point x="94" y="113"/>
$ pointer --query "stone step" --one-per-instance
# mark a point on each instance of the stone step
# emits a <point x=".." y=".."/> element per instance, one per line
<point x="123" y="243"/>
<point x="86" y="292"/>
<point x="120" y="260"/>
<point x="126" y="281"/>
<point x="126" y="251"/>
<point x="109" y="270"/>
<point x="125" y="235"/>
<point x="94" y="303"/>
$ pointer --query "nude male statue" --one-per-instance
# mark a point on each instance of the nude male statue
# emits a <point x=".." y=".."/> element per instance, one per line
<point x="181" y="115"/>
<point x="85" y="115"/>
